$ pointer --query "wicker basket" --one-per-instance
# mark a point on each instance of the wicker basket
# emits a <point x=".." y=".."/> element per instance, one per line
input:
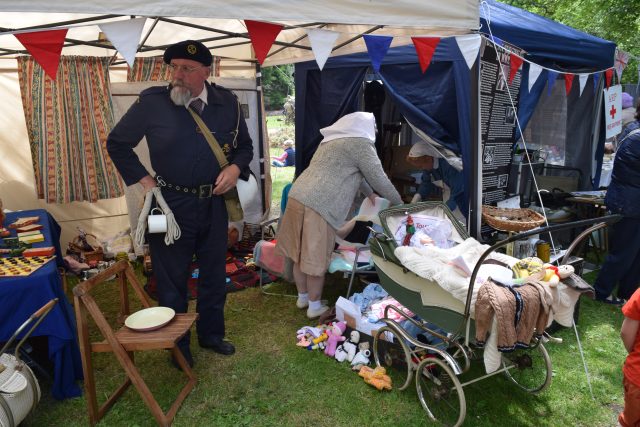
<point x="504" y="219"/>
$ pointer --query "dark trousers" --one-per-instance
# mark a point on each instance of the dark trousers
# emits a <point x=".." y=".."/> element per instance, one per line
<point x="203" y="224"/>
<point x="622" y="264"/>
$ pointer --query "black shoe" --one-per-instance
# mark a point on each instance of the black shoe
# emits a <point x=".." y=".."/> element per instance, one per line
<point x="611" y="300"/>
<point x="186" y="352"/>
<point x="218" y="345"/>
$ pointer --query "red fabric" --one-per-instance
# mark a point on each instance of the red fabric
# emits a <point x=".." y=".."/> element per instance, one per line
<point x="568" y="82"/>
<point x="425" y="47"/>
<point x="514" y="65"/>
<point x="630" y="416"/>
<point x="631" y="367"/>
<point x="608" y="74"/>
<point x="45" y="47"/>
<point x="262" y="35"/>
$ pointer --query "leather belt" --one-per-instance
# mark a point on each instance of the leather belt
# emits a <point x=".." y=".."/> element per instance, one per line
<point x="203" y="191"/>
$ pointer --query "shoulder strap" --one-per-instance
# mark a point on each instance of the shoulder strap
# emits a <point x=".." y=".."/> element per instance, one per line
<point x="213" y="142"/>
<point x="633" y="132"/>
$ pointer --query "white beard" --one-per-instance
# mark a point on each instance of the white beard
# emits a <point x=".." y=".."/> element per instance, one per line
<point x="180" y="95"/>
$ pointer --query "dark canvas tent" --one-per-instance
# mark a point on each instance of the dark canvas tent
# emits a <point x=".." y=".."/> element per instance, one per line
<point x="441" y="102"/>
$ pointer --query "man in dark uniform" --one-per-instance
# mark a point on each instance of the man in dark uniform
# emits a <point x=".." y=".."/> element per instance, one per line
<point x="191" y="181"/>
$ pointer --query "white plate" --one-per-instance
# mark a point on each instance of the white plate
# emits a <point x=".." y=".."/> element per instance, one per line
<point x="150" y="318"/>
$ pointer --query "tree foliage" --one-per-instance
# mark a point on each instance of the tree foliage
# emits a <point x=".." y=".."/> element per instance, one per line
<point x="277" y="83"/>
<point x="614" y="20"/>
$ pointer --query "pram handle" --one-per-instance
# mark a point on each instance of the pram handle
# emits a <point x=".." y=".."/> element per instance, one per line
<point x="38" y="317"/>
<point x="599" y="223"/>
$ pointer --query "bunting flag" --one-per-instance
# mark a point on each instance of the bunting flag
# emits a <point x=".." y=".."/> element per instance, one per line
<point x="568" y="82"/>
<point x="377" y="46"/>
<point x="534" y="73"/>
<point x="514" y="65"/>
<point x="497" y="40"/>
<point x="469" y="46"/>
<point x="124" y="36"/>
<point x="551" y="79"/>
<point x="582" y="79"/>
<point x="425" y="47"/>
<point x="608" y="75"/>
<point x="45" y="47"/>
<point x="262" y="35"/>
<point x="596" y="77"/>
<point x="322" y="42"/>
<point x="621" y="62"/>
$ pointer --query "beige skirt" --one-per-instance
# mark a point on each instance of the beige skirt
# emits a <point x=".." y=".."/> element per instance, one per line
<point x="306" y="238"/>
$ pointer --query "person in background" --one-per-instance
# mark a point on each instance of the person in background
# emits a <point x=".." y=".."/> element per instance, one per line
<point x="630" y="334"/>
<point x="435" y="169"/>
<point x="622" y="265"/>
<point x="191" y="181"/>
<point x="320" y="198"/>
<point x="288" y="157"/>
<point x="628" y="112"/>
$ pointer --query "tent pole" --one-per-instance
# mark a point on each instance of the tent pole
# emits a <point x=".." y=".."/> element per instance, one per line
<point x="260" y="134"/>
<point x="475" y="177"/>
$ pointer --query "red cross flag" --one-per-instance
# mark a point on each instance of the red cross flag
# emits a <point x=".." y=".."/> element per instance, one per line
<point x="613" y="110"/>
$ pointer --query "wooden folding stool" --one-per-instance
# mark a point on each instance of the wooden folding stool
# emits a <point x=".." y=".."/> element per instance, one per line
<point x="124" y="342"/>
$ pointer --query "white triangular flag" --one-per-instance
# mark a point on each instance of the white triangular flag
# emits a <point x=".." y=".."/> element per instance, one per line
<point x="125" y="36"/>
<point x="583" y="82"/>
<point x="534" y="73"/>
<point x="321" y="43"/>
<point x="469" y="46"/>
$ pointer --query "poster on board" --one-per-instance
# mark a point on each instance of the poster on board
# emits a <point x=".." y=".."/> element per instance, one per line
<point x="613" y="110"/>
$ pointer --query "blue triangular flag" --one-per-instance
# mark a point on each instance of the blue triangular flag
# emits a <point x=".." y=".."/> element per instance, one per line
<point x="497" y="41"/>
<point x="551" y="79"/>
<point x="596" y="77"/>
<point x="377" y="46"/>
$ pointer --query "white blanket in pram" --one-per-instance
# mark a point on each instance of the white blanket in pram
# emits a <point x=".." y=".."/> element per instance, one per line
<point x="449" y="268"/>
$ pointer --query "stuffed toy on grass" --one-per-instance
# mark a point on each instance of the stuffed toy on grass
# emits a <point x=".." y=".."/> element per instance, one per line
<point x="362" y="356"/>
<point x="376" y="377"/>
<point x="347" y="350"/>
<point x="334" y="337"/>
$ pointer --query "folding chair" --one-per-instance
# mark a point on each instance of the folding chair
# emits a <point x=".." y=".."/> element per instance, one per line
<point x="125" y="341"/>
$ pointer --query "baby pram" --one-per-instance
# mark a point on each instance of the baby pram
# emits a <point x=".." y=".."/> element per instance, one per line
<point x="19" y="389"/>
<point x="438" y="364"/>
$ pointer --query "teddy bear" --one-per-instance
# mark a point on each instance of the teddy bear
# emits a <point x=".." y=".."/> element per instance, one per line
<point x="334" y="337"/>
<point x="376" y="377"/>
<point x="347" y="350"/>
<point x="362" y="357"/>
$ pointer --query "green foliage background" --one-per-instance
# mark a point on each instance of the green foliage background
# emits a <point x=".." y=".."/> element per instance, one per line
<point x="278" y="83"/>
<point x="614" y="20"/>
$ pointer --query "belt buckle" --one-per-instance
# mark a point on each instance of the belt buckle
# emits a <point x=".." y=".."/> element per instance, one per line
<point x="205" y="191"/>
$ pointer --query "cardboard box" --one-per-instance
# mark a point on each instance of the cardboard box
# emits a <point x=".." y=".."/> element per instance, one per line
<point x="349" y="313"/>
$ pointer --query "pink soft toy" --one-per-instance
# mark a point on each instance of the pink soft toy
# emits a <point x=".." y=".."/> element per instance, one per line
<point x="335" y="336"/>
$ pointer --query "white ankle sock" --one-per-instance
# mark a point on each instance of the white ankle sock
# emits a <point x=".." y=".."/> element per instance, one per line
<point x="303" y="297"/>
<point x="315" y="305"/>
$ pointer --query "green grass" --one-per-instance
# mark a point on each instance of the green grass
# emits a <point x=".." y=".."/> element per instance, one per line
<point x="271" y="382"/>
<point x="274" y="122"/>
<point x="280" y="177"/>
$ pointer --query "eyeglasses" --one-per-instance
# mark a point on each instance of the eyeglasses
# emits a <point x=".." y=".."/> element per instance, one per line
<point x="184" y="68"/>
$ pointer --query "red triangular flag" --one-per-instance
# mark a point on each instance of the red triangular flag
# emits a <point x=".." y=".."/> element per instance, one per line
<point x="568" y="82"/>
<point x="425" y="47"/>
<point x="262" y="35"/>
<point x="608" y="74"/>
<point x="514" y="65"/>
<point x="45" y="47"/>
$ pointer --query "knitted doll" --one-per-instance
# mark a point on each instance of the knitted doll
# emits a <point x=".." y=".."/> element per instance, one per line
<point x="411" y="229"/>
<point x="335" y="336"/>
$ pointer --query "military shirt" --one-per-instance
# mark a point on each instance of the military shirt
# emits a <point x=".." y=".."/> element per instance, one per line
<point x="178" y="150"/>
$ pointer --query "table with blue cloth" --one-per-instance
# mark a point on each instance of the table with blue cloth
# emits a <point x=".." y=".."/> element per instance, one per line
<point x="22" y="296"/>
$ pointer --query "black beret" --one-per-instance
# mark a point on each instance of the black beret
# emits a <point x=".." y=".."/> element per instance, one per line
<point x="188" y="49"/>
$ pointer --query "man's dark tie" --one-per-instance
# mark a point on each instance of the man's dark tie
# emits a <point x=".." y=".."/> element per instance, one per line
<point x="198" y="105"/>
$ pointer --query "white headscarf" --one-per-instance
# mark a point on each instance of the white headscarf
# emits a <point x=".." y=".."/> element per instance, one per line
<point x="354" y="125"/>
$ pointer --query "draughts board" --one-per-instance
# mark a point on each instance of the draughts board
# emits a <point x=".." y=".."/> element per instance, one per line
<point x="22" y="266"/>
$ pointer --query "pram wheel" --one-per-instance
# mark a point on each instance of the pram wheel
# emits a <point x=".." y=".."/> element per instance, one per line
<point x="440" y="392"/>
<point x="529" y="368"/>
<point x="392" y="352"/>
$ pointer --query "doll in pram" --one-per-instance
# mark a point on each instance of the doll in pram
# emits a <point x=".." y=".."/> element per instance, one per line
<point x="442" y="296"/>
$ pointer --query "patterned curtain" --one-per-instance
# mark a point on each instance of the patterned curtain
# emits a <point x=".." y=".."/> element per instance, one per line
<point x="153" y="68"/>
<point x="68" y="121"/>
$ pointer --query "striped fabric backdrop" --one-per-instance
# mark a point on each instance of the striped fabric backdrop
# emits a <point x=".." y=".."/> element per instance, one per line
<point x="153" y="68"/>
<point x="68" y="121"/>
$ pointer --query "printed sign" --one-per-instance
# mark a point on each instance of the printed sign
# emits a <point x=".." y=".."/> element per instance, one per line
<point x="613" y="110"/>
